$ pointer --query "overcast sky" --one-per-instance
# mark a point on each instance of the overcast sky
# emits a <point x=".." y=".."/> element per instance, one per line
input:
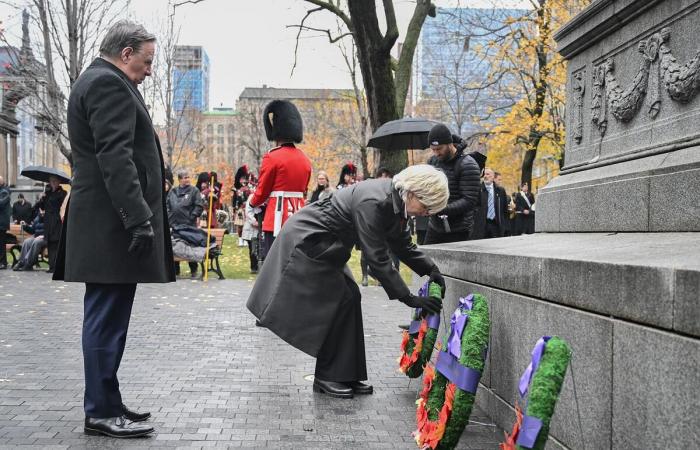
<point x="249" y="44"/>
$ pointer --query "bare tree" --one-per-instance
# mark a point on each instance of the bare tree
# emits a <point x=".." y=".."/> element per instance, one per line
<point x="251" y="135"/>
<point x="70" y="32"/>
<point x="385" y="79"/>
<point x="359" y="130"/>
<point x="182" y="120"/>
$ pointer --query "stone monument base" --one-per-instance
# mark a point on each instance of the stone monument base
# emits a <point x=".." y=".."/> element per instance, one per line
<point x="628" y="304"/>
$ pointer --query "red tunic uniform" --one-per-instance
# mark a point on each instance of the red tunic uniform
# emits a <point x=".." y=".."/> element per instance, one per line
<point x="284" y="175"/>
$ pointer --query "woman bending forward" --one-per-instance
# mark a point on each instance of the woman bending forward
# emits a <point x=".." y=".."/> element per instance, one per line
<point x="306" y="294"/>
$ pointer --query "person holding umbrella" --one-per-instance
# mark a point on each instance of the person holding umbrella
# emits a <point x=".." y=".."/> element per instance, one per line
<point x="306" y="294"/>
<point x="51" y="202"/>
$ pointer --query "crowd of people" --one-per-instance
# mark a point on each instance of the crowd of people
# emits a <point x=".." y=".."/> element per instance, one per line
<point x="40" y="222"/>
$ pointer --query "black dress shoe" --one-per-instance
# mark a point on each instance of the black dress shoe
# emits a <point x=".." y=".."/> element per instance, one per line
<point x="360" y="388"/>
<point x="133" y="415"/>
<point x="332" y="388"/>
<point x="117" y="427"/>
<point x="404" y="327"/>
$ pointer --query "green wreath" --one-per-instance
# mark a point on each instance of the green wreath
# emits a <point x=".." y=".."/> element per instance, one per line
<point x="542" y="383"/>
<point x="447" y="399"/>
<point x="418" y="342"/>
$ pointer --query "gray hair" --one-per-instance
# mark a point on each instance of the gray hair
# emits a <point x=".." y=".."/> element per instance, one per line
<point x="427" y="183"/>
<point x="124" y="34"/>
<point x="182" y="173"/>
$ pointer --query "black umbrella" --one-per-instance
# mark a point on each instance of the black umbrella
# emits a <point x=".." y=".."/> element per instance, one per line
<point x="42" y="173"/>
<point x="402" y="134"/>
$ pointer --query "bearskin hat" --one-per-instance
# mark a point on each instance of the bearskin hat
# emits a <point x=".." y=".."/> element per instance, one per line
<point x="283" y="122"/>
<point x="348" y="169"/>
<point x="240" y="173"/>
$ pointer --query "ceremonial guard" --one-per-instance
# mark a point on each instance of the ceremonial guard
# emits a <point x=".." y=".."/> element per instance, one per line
<point x="285" y="170"/>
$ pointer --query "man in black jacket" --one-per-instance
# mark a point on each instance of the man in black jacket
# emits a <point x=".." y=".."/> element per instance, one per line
<point x="454" y="223"/>
<point x="22" y="210"/>
<point x="115" y="233"/>
<point x="490" y="219"/>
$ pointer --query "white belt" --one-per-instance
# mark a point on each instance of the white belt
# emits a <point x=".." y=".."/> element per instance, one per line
<point x="279" y="202"/>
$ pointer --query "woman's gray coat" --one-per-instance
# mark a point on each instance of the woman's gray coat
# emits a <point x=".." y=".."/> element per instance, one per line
<point x="299" y="288"/>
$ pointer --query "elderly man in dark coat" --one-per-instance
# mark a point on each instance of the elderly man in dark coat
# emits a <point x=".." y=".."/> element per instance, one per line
<point x="115" y="233"/>
<point x="306" y="294"/>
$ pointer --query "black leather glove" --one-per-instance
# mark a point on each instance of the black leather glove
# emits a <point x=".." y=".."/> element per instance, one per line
<point x="430" y="305"/>
<point x="436" y="277"/>
<point x="142" y="238"/>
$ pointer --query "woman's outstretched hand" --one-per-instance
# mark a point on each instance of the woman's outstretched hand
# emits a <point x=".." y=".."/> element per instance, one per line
<point x="430" y="304"/>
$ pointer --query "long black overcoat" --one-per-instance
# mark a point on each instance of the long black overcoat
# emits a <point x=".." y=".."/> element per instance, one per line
<point x="118" y="175"/>
<point x="299" y="289"/>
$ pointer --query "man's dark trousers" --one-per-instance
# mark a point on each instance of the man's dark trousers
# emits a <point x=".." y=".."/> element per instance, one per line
<point x="105" y="324"/>
<point x="492" y="230"/>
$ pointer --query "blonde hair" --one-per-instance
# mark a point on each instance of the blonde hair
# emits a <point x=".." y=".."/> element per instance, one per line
<point x="323" y="173"/>
<point x="427" y="183"/>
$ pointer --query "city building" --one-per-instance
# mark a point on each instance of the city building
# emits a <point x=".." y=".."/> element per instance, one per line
<point x="25" y="132"/>
<point x="190" y="78"/>
<point x="445" y="64"/>
<point x="218" y="132"/>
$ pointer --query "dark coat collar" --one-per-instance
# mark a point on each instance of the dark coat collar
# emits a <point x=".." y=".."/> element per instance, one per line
<point x="101" y="62"/>
<point x="399" y="207"/>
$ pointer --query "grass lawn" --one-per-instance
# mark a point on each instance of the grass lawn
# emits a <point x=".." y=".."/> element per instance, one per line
<point x="236" y="265"/>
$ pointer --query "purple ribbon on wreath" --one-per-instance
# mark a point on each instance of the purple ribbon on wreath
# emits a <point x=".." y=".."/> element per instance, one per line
<point x="433" y="320"/>
<point x="465" y="378"/>
<point x="531" y="426"/>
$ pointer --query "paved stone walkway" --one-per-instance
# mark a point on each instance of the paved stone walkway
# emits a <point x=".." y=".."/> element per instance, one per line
<point x="195" y="359"/>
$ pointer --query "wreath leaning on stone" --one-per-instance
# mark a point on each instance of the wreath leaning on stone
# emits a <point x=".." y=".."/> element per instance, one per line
<point x="418" y="342"/>
<point x="449" y="389"/>
<point x="543" y="379"/>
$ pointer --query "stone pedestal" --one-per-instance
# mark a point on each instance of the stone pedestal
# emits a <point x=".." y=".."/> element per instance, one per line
<point x="627" y="303"/>
<point x="633" y="140"/>
<point x="12" y="169"/>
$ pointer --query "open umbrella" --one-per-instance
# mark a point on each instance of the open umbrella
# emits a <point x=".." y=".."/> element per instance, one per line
<point x="42" y="173"/>
<point x="402" y="134"/>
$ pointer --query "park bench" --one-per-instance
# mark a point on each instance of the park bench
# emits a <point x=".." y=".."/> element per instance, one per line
<point x="214" y="254"/>
<point x="15" y="248"/>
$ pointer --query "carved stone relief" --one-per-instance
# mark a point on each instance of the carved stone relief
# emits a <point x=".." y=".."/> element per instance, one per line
<point x="658" y="64"/>
<point x="579" y="88"/>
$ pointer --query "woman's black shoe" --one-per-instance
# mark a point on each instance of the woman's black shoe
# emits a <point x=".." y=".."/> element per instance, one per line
<point x="117" y="427"/>
<point x="360" y="388"/>
<point x="133" y="415"/>
<point x="332" y="388"/>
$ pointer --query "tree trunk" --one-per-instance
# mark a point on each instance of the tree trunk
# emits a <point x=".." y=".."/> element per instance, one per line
<point x="375" y="64"/>
<point x="535" y="136"/>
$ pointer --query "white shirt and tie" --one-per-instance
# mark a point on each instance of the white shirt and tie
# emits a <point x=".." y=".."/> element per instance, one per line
<point x="491" y="209"/>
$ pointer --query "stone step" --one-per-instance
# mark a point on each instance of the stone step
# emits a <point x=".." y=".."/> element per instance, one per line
<point x="648" y="278"/>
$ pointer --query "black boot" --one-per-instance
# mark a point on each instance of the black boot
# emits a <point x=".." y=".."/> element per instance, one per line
<point x="332" y="388"/>
<point x="360" y="388"/>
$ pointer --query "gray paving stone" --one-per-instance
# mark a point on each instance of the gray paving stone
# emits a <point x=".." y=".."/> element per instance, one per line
<point x="210" y="377"/>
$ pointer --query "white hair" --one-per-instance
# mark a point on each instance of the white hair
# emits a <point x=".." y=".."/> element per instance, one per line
<point x="427" y="183"/>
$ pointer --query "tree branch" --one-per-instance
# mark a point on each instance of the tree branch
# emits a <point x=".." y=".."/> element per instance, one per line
<point x="330" y="6"/>
<point x="392" y="30"/>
